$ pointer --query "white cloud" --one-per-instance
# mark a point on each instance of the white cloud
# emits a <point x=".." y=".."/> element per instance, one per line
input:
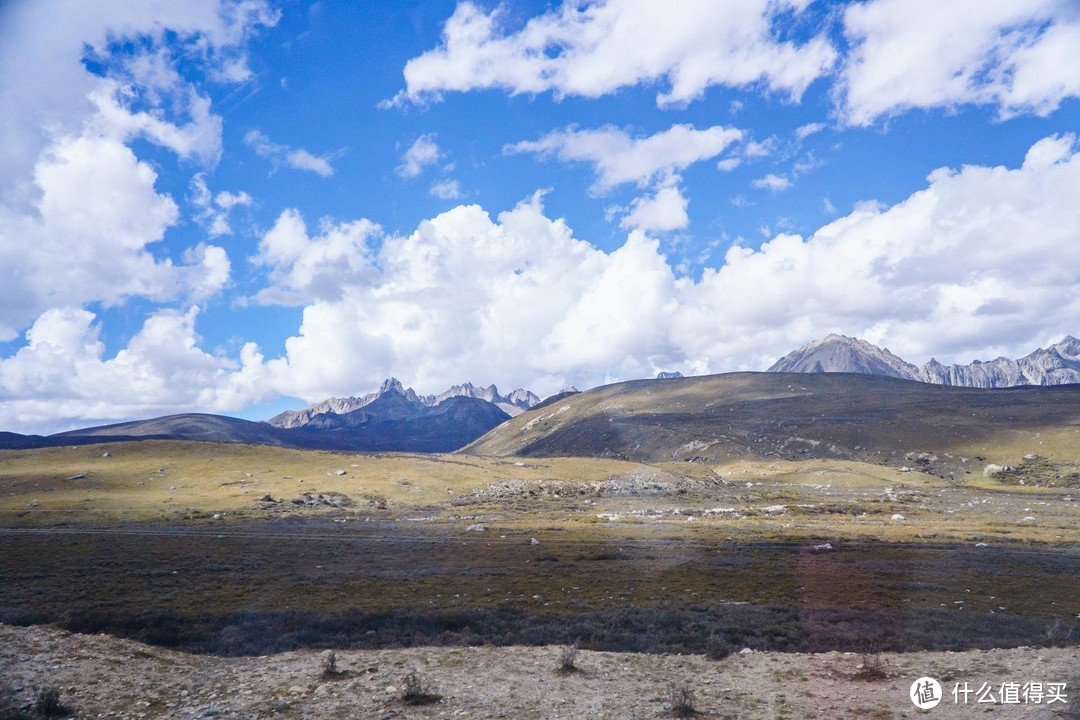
<point x="88" y="236"/>
<point x="911" y="275"/>
<point x="421" y="153"/>
<point x="804" y="131"/>
<point x="446" y="190"/>
<point x="618" y="158"/>
<point x="518" y="300"/>
<point x="279" y="154"/>
<point x="662" y="211"/>
<point x="48" y="42"/>
<point x="729" y="164"/>
<point x="227" y="200"/>
<point x="466" y="296"/>
<point x="982" y="260"/>
<point x="79" y="212"/>
<point x="772" y="183"/>
<point x="594" y="49"/>
<point x="305" y="268"/>
<point x="61" y="377"/>
<point x="213" y="210"/>
<point x="759" y="149"/>
<point x="198" y="138"/>
<point x="1017" y="55"/>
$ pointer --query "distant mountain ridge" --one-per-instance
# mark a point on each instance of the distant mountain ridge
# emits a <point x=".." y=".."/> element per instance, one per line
<point x="731" y="418"/>
<point x="411" y="403"/>
<point x="1058" y="364"/>
<point x="392" y="419"/>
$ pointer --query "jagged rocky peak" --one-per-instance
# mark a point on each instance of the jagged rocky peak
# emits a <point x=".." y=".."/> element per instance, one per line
<point x="523" y="398"/>
<point x="1058" y="364"/>
<point x="513" y="404"/>
<point x="394" y="385"/>
<point x="323" y="413"/>
<point x="839" y="353"/>
<point x="669" y="375"/>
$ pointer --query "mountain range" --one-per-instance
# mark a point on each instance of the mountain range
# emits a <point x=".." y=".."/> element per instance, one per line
<point x="1058" y="364"/>
<point x="405" y="402"/>
<point x="394" y="418"/>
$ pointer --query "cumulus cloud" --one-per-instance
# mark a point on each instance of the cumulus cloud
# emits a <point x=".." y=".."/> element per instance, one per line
<point x="519" y="300"/>
<point x="304" y="268"/>
<point x="79" y="212"/>
<point x="423" y="152"/>
<point x="61" y="378"/>
<point x="278" y="154"/>
<point x="619" y="158"/>
<point x="595" y="48"/>
<point x="912" y="275"/>
<point x="662" y="211"/>
<point x="1018" y="55"/>
<point x="88" y="237"/>
<point x="980" y="261"/>
<point x="462" y="296"/>
<point x="49" y="42"/>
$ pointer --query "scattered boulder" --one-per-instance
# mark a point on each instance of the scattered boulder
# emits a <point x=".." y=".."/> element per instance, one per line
<point x="898" y="516"/>
<point x="477" y="528"/>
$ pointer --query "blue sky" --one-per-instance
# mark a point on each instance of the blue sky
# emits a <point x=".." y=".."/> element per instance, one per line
<point x="239" y="206"/>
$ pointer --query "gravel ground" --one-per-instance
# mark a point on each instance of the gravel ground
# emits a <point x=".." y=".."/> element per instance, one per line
<point x="105" y="677"/>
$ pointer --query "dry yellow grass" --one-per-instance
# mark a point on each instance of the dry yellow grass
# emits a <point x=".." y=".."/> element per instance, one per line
<point x="821" y="499"/>
<point x="153" y="479"/>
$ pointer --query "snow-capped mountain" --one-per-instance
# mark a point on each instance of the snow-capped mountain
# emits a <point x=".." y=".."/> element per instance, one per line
<point x="1058" y="364"/>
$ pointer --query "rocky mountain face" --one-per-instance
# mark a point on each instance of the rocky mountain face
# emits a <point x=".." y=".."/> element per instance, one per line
<point x="838" y="353"/>
<point x="1056" y="365"/>
<point x="393" y="401"/>
<point x="513" y="404"/>
<point x="398" y="418"/>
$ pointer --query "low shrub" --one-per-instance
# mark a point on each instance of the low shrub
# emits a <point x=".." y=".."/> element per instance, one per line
<point x="48" y="703"/>
<point x="413" y="691"/>
<point x="718" y="648"/>
<point x="568" y="659"/>
<point x="682" y="701"/>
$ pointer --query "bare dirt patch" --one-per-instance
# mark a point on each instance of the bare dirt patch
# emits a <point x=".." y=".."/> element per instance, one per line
<point x="102" y="676"/>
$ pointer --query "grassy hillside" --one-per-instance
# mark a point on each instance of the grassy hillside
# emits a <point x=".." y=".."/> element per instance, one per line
<point x="721" y="419"/>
